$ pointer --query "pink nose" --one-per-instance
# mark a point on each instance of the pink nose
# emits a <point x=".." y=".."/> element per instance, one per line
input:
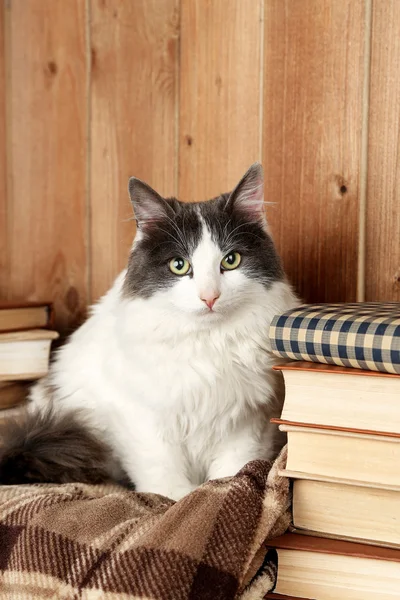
<point x="210" y="300"/>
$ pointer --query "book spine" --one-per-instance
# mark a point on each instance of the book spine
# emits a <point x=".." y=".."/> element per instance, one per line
<point x="314" y="342"/>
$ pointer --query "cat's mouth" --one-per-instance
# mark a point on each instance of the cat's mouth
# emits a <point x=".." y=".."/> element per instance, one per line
<point x="209" y="313"/>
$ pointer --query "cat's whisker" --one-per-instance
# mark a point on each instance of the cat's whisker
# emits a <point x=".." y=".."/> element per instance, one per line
<point x="153" y="368"/>
<point x="236" y="237"/>
<point x="166" y="242"/>
<point x="232" y="232"/>
<point x="236" y="229"/>
<point x="168" y="233"/>
<point x="176" y="228"/>
<point x="226" y="226"/>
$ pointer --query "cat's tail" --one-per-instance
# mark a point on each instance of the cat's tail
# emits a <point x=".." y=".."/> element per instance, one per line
<point x="45" y="447"/>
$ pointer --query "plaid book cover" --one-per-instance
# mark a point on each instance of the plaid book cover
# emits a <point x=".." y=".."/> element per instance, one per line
<point x="360" y="335"/>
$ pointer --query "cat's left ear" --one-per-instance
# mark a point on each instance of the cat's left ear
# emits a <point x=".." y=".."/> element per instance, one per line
<point x="248" y="195"/>
<point x="149" y="207"/>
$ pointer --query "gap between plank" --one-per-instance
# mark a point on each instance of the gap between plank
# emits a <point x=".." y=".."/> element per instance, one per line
<point x="88" y="244"/>
<point x="178" y="99"/>
<point x="9" y="191"/>
<point x="261" y="100"/>
<point x="362" y="220"/>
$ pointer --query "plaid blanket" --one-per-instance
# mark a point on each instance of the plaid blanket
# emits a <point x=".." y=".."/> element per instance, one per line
<point x="83" y="541"/>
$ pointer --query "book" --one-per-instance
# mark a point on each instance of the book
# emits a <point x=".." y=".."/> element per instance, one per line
<point x="25" y="316"/>
<point x="325" y="569"/>
<point x="25" y="354"/>
<point x="274" y="596"/>
<point x="17" y="413"/>
<point x="13" y="393"/>
<point x="339" y="397"/>
<point x="348" y="511"/>
<point x="355" y="335"/>
<point x="349" y="456"/>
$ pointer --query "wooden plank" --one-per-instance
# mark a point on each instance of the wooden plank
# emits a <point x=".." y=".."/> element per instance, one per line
<point x="46" y="205"/>
<point x="133" y="124"/>
<point x="3" y="143"/>
<point x="314" y="53"/>
<point x="219" y="94"/>
<point x="382" y="282"/>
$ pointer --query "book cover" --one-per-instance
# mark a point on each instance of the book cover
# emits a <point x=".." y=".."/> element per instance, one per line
<point x="24" y="355"/>
<point x="314" y="567"/>
<point x="327" y="395"/>
<point x="274" y="596"/>
<point x="293" y="541"/>
<point x="13" y="393"/>
<point x="30" y="315"/>
<point x="284" y="425"/>
<point x="337" y="454"/>
<point x="345" y="510"/>
<point x="356" y="335"/>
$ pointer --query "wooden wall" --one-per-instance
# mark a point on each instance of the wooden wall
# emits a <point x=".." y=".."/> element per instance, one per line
<point x="186" y="94"/>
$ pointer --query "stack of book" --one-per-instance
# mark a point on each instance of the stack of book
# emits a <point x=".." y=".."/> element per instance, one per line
<point x="342" y="418"/>
<point x="25" y="340"/>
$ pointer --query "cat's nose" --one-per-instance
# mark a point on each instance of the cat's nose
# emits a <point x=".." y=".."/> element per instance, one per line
<point x="210" y="299"/>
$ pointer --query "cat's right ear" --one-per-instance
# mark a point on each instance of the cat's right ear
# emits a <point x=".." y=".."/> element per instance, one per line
<point x="248" y="196"/>
<point x="149" y="207"/>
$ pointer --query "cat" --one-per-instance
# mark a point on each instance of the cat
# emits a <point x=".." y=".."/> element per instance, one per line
<point x="170" y="379"/>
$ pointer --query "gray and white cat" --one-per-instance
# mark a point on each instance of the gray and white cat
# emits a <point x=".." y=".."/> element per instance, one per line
<point x="172" y="370"/>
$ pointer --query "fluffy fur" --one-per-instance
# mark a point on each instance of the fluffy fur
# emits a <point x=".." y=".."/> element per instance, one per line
<point x="181" y="393"/>
<point x="38" y="450"/>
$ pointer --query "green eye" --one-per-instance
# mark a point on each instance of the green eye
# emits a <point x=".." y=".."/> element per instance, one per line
<point x="231" y="261"/>
<point x="179" y="266"/>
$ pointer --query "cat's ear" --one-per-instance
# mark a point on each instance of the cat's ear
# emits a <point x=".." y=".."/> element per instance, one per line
<point x="149" y="207"/>
<point x="248" y="196"/>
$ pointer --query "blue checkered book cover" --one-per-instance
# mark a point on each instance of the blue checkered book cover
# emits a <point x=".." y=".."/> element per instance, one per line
<point x="363" y="335"/>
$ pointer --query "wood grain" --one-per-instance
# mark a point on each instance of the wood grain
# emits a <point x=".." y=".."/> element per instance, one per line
<point x="133" y="120"/>
<point x="3" y="153"/>
<point x="383" y="199"/>
<point x="175" y="89"/>
<point x="314" y="53"/>
<point x="219" y="94"/>
<point x="46" y="205"/>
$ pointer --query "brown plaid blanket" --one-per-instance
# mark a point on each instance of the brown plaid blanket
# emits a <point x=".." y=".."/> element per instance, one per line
<point x="84" y="541"/>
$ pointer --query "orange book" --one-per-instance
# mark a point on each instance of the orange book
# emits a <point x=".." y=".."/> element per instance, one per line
<point x="33" y="315"/>
<point x="25" y="354"/>
<point x="323" y="569"/>
<point x="13" y="393"/>
<point x="274" y="596"/>
<point x="341" y="454"/>
<point x="347" y="511"/>
<point x="338" y="397"/>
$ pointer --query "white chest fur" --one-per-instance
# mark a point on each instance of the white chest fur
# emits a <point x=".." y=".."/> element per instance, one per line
<point x="158" y="390"/>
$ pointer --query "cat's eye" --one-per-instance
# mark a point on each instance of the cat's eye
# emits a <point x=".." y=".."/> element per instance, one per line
<point x="179" y="266"/>
<point x="231" y="261"/>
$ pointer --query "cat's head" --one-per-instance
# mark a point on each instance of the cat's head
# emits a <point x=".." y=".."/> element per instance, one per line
<point x="205" y="259"/>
